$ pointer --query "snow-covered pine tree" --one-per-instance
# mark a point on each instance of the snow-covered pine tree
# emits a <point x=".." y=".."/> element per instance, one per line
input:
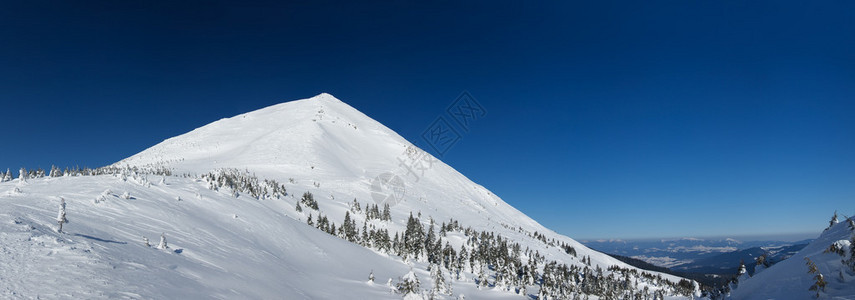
<point x="440" y="285"/>
<point x="299" y="208"/>
<point x="762" y="263"/>
<point x="145" y="241"/>
<point x="60" y="218"/>
<point x="414" y="238"/>
<point x="346" y="227"/>
<point x="743" y="272"/>
<point x="820" y="283"/>
<point x="409" y="284"/>
<point x="430" y="240"/>
<point x="309" y="200"/>
<point x="833" y="221"/>
<point x="162" y="244"/>
<point x="54" y="171"/>
<point x="365" y="239"/>
<point x="387" y="214"/>
<point x="7" y="176"/>
<point x="371" y="277"/>
<point x="355" y="207"/>
<point x="22" y="175"/>
<point x="851" y="261"/>
<point x="482" y="278"/>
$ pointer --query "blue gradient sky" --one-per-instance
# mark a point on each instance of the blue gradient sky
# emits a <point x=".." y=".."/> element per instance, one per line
<point x="605" y="120"/>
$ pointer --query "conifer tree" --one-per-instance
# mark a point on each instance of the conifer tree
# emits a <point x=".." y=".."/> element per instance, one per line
<point x="833" y="221"/>
<point x="820" y="283"/>
<point x="414" y="237"/>
<point x="309" y="200"/>
<point x="440" y="285"/>
<point x="345" y="227"/>
<point x="851" y="261"/>
<point x="387" y="215"/>
<point x="762" y="263"/>
<point x="60" y="218"/>
<point x="54" y="171"/>
<point x="22" y="175"/>
<point x="482" y="279"/>
<point x="743" y="273"/>
<point x="409" y="285"/>
<point x="429" y="245"/>
<point x="366" y="239"/>
<point x="162" y="244"/>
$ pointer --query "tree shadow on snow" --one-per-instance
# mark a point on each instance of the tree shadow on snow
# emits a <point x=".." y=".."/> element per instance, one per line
<point x="99" y="239"/>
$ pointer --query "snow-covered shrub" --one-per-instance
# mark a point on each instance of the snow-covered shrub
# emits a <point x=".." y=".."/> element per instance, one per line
<point x="103" y="196"/>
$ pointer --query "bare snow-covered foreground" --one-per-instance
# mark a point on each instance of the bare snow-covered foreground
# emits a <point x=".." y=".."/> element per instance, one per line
<point x="225" y="246"/>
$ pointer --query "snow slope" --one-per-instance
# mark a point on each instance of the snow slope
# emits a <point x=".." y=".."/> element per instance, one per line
<point x="222" y="246"/>
<point x="219" y="246"/>
<point x="790" y="279"/>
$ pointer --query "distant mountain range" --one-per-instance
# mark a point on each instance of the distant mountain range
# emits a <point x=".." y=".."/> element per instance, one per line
<point x="712" y="262"/>
<point x="687" y="252"/>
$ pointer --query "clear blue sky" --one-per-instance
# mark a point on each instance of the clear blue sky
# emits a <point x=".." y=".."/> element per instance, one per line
<point x="605" y="119"/>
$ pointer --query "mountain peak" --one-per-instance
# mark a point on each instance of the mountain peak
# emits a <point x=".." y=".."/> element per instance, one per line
<point x="325" y="96"/>
<point x="322" y="139"/>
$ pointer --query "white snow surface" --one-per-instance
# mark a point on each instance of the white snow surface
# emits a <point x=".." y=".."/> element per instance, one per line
<point x="225" y="247"/>
<point x="790" y="279"/>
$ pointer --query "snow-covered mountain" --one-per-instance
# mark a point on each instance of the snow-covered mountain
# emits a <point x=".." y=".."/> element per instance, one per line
<point x="324" y="141"/>
<point x="228" y="239"/>
<point x="832" y="255"/>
